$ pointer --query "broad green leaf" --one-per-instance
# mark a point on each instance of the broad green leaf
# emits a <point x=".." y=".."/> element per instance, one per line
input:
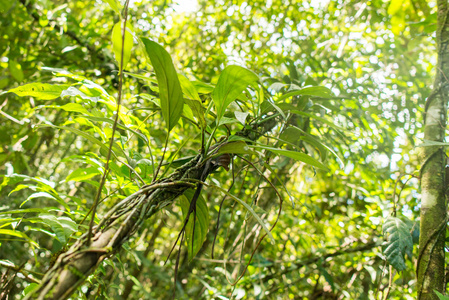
<point x="399" y="242"/>
<point x="195" y="241"/>
<point x="40" y="91"/>
<point x="193" y="100"/>
<point x="30" y="288"/>
<point x="84" y="174"/>
<point x="188" y="88"/>
<point x="198" y="110"/>
<point x="277" y="86"/>
<point x="64" y="73"/>
<point x="63" y="227"/>
<point x="117" y="42"/>
<point x="75" y="107"/>
<point x="46" y="195"/>
<point x="314" y="141"/>
<point x="170" y="91"/>
<point x="317" y="91"/>
<point x="114" y="4"/>
<point x="238" y="147"/>
<point x="202" y="87"/>
<point x="232" y="82"/>
<point x="11" y="232"/>
<point x="187" y="112"/>
<point x="18" y="234"/>
<point x="295" y="155"/>
<point x="43" y="183"/>
<point x="225" y="120"/>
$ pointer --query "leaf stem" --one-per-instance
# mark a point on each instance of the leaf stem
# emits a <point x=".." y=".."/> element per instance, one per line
<point x="162" y="158"/>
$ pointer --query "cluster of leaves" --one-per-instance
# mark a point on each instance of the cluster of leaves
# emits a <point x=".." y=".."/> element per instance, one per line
<point x="59" y="135"/>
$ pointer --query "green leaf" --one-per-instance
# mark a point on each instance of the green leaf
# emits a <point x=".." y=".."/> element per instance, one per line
<point x="399" y="242"/>
<point x="296" y="156"/>
<point x="395" y="6"/>
<point x="89" y="137"/>
<point x="170" y="91"/>
<point x="46" y="195"/>
<point x="225" y="120"/>
<point x="188" y="88"/>
<point x="40" y="91"/>
<point x="16" y="70"/>
<point x="74" y="92"/>
<point x="30" y="288"/>
<point x="336" y="127"/>
<point x="195" y="241"/>
<point x="317" y="91"/>
<point x="232" y="82"/>
<point x="84" y="174"/>
<point x="441" y="296"/>
<point x="119" y="125"/>
<point x="241" y="116"/>
<point x="18" y="234"/>
<point x="31" y="210"/>
<point x="114" y="4"/>
<point x="143" y="77"/>
<point x="430" y="143"/>
<point x="75" y="107"/>
<point x="63" y="227"/>
<point x="239" y="147"/>
<point x="117" y="42"/>
<point x="193" y="100"/>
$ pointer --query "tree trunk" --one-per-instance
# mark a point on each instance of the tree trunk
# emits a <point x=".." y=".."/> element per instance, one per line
<point x="430" y="267"/>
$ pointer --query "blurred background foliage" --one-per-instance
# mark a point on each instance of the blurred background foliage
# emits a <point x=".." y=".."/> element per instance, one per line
<point x="376" y="56"/>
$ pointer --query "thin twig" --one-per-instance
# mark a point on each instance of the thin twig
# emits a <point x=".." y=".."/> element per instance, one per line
<point x="114" y="126"/>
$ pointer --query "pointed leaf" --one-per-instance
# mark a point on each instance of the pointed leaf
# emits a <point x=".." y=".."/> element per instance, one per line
<point x="296" y="156"/>
<point x="195" y="241"/>
<point x="317" y="91"/>
<point x="117" y="42"/>
<point x="40" y="91"/>
<point x="115" y="5"/>
<point x="170" y="91"/>
<point x="84" y="174"/>
<point x="238" y="147"/>
<point x="232" y="82"/>
<point x="241" y="116"/>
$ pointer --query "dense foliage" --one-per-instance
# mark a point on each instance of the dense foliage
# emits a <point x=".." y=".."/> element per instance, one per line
<point x="328" y="113"/>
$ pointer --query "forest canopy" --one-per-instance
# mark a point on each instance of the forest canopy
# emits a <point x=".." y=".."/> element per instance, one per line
<point x="223" y="149"/>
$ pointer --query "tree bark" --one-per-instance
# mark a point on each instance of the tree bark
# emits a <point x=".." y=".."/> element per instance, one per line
<point x="430" y="267"/>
